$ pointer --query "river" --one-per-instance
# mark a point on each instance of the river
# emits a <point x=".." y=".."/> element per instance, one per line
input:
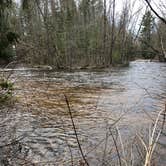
<point x="120" y="99"/>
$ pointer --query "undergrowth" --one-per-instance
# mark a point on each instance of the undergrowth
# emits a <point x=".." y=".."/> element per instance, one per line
<point x="6" y="90"/>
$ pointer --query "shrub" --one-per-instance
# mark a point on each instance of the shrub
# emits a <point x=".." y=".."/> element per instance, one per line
<point x="6" y="88"/>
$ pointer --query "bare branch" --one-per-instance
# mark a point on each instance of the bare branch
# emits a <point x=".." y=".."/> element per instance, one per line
<point x="161" y="18"/>
<point x="75" y="131"/>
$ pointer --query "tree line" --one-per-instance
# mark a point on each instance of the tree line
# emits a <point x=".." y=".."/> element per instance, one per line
<point x="70" y="33"/>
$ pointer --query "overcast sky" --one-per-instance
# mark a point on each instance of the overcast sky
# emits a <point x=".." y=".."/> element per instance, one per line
<point x="135" y="6"/>
<point x="119" y="3"/>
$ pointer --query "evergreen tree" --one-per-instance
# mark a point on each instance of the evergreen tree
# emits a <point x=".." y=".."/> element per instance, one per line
<point x="7" y="36"/>
<point x="146" y="35"/>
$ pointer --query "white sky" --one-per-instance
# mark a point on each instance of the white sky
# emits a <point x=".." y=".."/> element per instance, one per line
<point x="135" y="6"/>
<point x="119" y="4"/>
<point x="158" y="5"/>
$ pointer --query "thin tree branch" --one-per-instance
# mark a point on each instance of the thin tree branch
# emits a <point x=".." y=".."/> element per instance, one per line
<point x="116" y="146"/>
<point x="161" y="18"/>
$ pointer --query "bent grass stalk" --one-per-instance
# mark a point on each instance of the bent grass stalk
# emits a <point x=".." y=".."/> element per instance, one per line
<point x="152" y="141"/>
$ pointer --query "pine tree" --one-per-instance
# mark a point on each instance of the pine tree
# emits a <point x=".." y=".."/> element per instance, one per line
<point x="146" y="35"/>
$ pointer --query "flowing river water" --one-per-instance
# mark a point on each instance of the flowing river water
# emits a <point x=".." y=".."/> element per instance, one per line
<point x="121" y="98"/>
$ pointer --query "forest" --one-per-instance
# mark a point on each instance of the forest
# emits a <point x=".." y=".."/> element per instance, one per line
<point x="82" y="83"/>
<point x="70" y="34"/>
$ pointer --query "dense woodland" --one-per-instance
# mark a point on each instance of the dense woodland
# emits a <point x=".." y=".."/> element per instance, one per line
<point x="84" y="33"/>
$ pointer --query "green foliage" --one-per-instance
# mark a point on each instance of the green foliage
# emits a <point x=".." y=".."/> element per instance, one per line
<point x="6" y="50"/>
<point x="6" y="85"/>
<point x="7" y="37"/>
<point x="25" y="4"/>
<point x="146" y="35"/>
<point x="12" y="37"/>
<point x="7" y="54"/>
<point x="6" y="88"/>
<point x="116" y="58"/>
<point x="5" y="3"/>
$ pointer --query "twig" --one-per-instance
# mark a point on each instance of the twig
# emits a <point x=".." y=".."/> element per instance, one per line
<point x="161" y="18"/>
<point x="111" y="126"/>
<point x="12" y="143"/>
<point x="71" y="154"/>
<point x="75" y="131"/>
<point x="145" y="89"/>
<point x="152" y="141"/>
<point x="122" y="145"/>
<point x="115" y="143"/>
<point x="106" y="143"/>
<point x="164" y="117"/>
<point x="139" y="153"/>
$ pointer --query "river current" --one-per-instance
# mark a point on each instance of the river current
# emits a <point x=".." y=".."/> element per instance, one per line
<point x="122" y="99"/>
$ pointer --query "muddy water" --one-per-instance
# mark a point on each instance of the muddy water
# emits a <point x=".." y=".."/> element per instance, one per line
<point x="127" y="97"/>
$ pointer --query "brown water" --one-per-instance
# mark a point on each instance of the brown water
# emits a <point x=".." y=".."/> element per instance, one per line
<point x="97" y="98"/>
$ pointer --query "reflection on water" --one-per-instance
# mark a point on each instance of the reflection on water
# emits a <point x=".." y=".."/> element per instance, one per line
<point x="41" y="117"/>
